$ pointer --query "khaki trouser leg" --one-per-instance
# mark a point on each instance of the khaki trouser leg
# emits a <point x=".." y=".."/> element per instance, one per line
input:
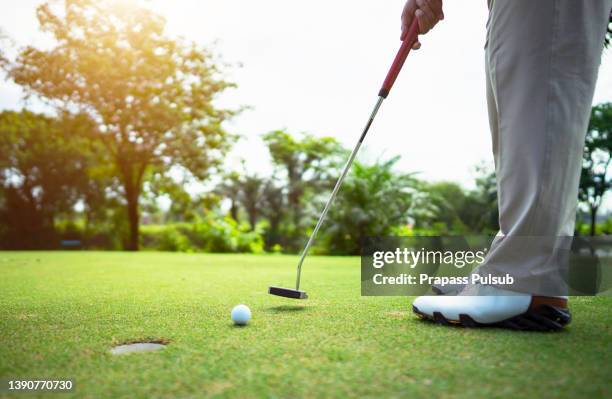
<point x="542" y="59"/>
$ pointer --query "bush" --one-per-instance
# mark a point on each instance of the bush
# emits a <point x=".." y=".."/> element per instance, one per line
<point x="602" y="228"/>
<point x="98" y="236"/>
<point x="164" y="238"/>
<point x="226" y="235"/>
<point x="211" y="234"/>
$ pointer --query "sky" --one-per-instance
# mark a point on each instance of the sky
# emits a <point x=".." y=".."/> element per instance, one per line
<point x="316" y="66"/>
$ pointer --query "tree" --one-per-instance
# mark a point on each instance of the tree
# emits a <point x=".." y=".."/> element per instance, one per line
<point x="594" y="179"/>
<point x="44" y="165"/>
<point x="372" y="202"/>
<point x="449" y="202"/>
<point x="230" y="190"/>
<point x="274" y="209"/>
<point x="308" y="162"/>
<point x="481" y="212"/>
<point x="151" y="96"/>
<point x="255" y="197"/>
<point x="459" y="211"/>
<point x="184" y="206"/>
<point x="251" y="197"/>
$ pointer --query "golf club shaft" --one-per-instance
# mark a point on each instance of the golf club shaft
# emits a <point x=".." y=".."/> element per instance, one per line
<point x="396" y="67"/>
<point x="347" y="167"/>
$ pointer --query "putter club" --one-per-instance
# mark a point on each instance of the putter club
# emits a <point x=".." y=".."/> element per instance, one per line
<point x="394" y="71"/>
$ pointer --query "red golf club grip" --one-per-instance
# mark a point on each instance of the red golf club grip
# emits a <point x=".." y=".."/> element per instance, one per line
<point x="400" y="58"/>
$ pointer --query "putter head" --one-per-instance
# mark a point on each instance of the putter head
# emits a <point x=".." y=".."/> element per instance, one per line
<point x="288" y="293"/>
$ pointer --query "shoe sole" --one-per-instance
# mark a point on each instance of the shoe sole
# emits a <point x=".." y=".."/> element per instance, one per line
<point x="542" y="318"/>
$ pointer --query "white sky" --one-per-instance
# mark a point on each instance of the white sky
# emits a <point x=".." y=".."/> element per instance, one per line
<point x="316" y="66"/>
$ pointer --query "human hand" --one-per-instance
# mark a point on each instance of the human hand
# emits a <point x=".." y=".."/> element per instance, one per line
<point x="427" y="12"/>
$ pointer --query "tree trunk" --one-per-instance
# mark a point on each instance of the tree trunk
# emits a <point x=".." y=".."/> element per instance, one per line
<point x="131" y="185"/>
<point x="593" y="220"/>
<point x="253" y="219"/>
<point x="234" y="210"/>
<point x="132" y="165"/>
<point x="294" y="203"/>
<point x="134" y="221"/>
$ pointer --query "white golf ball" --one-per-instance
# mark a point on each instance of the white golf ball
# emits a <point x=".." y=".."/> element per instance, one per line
<point x="241" y="314"/>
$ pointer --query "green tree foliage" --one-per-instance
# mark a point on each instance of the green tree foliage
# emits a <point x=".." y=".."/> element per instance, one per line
<point x="372" y="202"/>
<point x="210" y="233"/>
<point x="481" y="213"/>
<point x="44" y="165"/>
<point x="245" y="192"/>
<point x="458" y="211"/>
<point x="274" y="209"/>
<point x="229" y="189"/>
<point x="450" y="203"/>
<point x="184" y="206"/>
<point x="307" y="162"/>
<point x="150" y="96"/>
<point x="594" y="179"/>
<point x="252" y="197"/>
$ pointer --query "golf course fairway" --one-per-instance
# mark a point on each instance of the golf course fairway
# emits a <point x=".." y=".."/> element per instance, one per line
<point x="62" y="312"/>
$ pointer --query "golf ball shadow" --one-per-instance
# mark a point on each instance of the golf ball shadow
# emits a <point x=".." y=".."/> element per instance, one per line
<point x="286" y="309"/>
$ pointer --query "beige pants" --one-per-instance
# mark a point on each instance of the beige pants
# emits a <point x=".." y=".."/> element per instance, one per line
<point x="542" y="59"/>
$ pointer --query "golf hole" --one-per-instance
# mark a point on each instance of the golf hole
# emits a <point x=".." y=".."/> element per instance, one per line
<point x="138" y="346"/>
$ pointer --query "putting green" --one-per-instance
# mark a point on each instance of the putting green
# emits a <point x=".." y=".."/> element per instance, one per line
<point x="61" y="312"/>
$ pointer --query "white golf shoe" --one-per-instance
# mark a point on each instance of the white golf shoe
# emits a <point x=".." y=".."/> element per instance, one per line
<point x="484" y="305"/>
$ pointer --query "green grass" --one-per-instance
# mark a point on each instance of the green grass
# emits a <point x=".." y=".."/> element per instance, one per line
<point x="61" y="312"/>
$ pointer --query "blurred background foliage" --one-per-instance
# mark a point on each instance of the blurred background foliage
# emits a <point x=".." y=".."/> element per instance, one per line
<point x="134" y="131"/>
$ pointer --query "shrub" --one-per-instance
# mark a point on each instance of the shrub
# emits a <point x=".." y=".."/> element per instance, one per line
<point x="226" y="235"/>
<point x="164" y="238"/>
<point x="210" y="234"/>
